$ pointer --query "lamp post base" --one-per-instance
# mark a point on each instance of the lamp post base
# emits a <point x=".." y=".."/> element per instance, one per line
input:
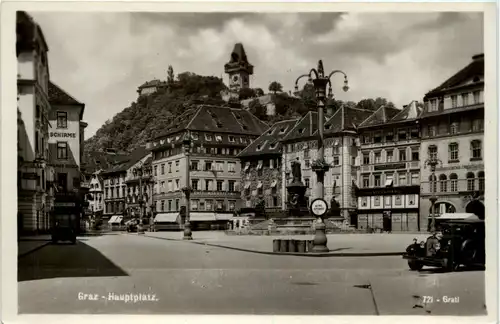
<point x="320" y="240"/>
<point x="187" y="232"/>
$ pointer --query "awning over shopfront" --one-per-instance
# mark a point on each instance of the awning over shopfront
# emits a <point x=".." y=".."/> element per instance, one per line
<point x="457" y="216"/>
<point x="224" y="216"/>
<point x="201" y="217"/>
<point x="167" y="218"/>
<point x="115" y="219"/>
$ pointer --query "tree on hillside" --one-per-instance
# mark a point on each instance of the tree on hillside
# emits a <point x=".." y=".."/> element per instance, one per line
<point x="246" y="93"/>
<point x="275" y="87"/>
<point x="256" y="108"/>
<point x="374" y="104"/>
<point x="170" y="75"/>
<point x="259" y="92"/>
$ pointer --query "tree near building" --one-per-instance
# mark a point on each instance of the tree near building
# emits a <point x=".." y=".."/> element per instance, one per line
<point x="246" y="93"/>
<point x="259" y="92"/>
<point x="275" y="87"/>
<point x="257" y="109"/>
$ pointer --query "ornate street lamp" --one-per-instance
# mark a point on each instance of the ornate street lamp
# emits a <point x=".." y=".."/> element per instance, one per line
<point x="139" y="171"/>
<point x="320" y="167"/>
<point x="186" y="144"/>
<point x="432" y="162"/>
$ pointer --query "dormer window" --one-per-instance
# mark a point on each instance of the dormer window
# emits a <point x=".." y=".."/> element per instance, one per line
<point x="273" y="146"/>
<point x="169" y="140"/>
<point x="194" y="136"/>
<point x="219" y="124"/>
<point x="243" y="140"/>
<point x="177" y="138"/>
<point x="208" y="137"/>
<point x="301" y="130"/>
<point x="270" y="132"/>
<point x="282" y="130"/>
<point x="259" y="147"/>
<point x="328" y="126"/>
<point x="218" y="138"/>
<point x="231" y="139"/>
<point x="244" y="127"/>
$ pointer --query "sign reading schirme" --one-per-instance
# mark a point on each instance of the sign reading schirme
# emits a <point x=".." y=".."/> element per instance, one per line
<point x="62" y="135"/>
<point x="319" y="207"/>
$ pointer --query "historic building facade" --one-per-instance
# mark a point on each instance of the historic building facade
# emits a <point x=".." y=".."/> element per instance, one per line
<point x="35" y="175"/>
<point x="217" y="135"/>
<point x="139" y="174"/>
<point x="389" y="173"/>
<point x="261" y="173"/>
<point x="453" y="132"/>
<point x="238" y="69"/>
<point x="96" y="201"/>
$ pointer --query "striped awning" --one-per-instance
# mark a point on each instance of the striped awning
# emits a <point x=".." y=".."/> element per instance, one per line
<point x="115" y="219"/>
<point x="167" y="218"/>
<point x="201" y="217"/>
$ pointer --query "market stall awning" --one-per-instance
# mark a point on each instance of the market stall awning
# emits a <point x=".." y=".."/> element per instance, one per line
<point x="224" y="216"/>
<point x="115" y="219"/>
<point x="167" y="218"/>
<point x="201" y="217"/>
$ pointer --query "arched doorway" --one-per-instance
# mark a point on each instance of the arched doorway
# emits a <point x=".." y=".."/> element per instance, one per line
<point x="475" y="207"/>
<point x="441" y="208"/>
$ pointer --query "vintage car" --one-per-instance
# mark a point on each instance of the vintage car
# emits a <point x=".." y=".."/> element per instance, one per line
<point x="456" y="242"/>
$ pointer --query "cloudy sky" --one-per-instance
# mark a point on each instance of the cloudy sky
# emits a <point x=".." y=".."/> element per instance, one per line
<point x="101" y="58"/>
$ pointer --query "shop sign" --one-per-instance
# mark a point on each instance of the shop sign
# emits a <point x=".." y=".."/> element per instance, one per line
<point x="319" y="207"/>
<point x="62" y="135"/>
<point x="389" y="166"/>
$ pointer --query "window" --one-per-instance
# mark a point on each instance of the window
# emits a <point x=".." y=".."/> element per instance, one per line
<point x="220" y="204"/>
<point x="208" y="185"/>
<point x="432" y="183"/>
<point x="443" y="183"/>
<point x="176" y="184"/>
<point x="307" y="182"/>
<point x="231" y="184"/>
<point x="480" y="175"/>
<point x="366" y="139"/>
<point x="170" y="205"/>
<point x="453" y="182"/>
<point x="376" y="201"/>
<point x="306" y="153"/>
<point x="219" y="185"/>
<point x="377" y="138"/>
<point x="465" y="99"/>
<point x="163" y="205"/>
<point x="208" y="137"/>
<point x="389" y="137"/>
<point x="432" y="130"/>
<point x="453" y="152"/>
<point x="163" y="168"/>
<point x="194" y="184"/>
<point x="231" y="167"/>
<point x="36" y="142"/>
<point x="194" y="204"/>
<point x="208" y="165"/>
<point x="402" y="155"/>
<point x="453" y="101"/>
<point x="453" y="128"/>
<point x="231" y="138"/>
<point x="62" y="150"/>
<point x="414" y="133"/>
<point x="62" y="119"/>
<point x="366" y="158"/>
<point x="475" y="147"/>
<point x="402" y="135"/>
<point x="470" y="181"/>
<point x="415" y="179"/>
<point x="476" y="97"/>
<point x="432" y="151"/>
<point x="402" y="179"/>
<point x="218" y="138"/>
<point x="177" y="166"/>
<point x="434" y="106"/>
<point x="155" y="170"/>
<point x="390" y="156"/>
<point x="377" y="157"/>
<point x="411" y="199"/>
<point x="377" y="180"/>
<point x="397" y="200"/>
<point x="194" y="165"/>
<point x="336" y="160"/>
<point x="415" y="154"/>
<point x="177" y="204"/>
<point x="366" y="181"/>
<point x="364" y="201"/>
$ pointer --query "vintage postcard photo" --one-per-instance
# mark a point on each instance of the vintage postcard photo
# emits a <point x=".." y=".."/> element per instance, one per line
<point x="274" y="162"/>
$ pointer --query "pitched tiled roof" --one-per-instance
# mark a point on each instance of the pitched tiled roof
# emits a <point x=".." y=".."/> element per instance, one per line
<point x="60" y="97"/>
<point x="304" y="128"/>
<point x="102" y="160"/>
<point x="269" y="141"/>
<point x="153" y="83"/>
<point x="346" y="118"/>
<point x="473" y="69"/>
<point x="133" y="158"/>
<point x="207" y="118"/>
<point x="410" y="112"/>
<point x="380" y="116"/>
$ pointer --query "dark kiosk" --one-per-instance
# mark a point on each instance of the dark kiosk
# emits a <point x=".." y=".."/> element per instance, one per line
<point x="65" y="220"/>
<point x="456" y="242"/>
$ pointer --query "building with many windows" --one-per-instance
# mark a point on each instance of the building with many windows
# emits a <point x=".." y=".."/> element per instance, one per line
<point x="261" y="173"/>
<point x="389" y="173"/>
<point x="453" y="132"/>
<point x="35" y="175"/>
<point x="218" y="135"/>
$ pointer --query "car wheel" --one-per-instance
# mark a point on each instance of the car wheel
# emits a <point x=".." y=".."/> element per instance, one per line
<point x="415" y="265"/>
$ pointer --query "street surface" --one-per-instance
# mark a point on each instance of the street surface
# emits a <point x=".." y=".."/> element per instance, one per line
<point x="169" y="277"/>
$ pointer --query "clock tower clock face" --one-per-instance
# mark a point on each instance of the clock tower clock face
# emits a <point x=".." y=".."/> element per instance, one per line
<point x="235" y="78"/>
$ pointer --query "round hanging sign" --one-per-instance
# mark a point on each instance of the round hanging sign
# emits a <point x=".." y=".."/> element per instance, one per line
<point x="319" y="207"/>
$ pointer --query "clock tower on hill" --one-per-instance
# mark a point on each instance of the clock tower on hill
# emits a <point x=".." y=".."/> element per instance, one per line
<point x="238" y="69"/>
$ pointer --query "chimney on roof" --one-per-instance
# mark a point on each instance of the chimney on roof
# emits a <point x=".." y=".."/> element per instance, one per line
<point x="478" y="57"/>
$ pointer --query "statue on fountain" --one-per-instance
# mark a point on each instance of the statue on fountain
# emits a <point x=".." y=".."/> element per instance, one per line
<point x="297" y="204"/>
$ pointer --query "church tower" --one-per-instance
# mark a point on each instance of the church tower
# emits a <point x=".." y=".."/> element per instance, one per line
<point x="238" y="69"/>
